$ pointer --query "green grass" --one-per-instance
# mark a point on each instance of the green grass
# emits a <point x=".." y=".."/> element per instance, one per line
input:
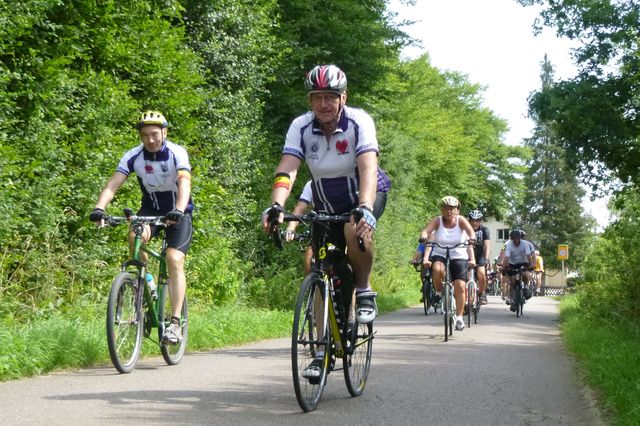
<point x="609" y="356"/>
<point x="65" y="341"/>
<point x="60" y="342"/>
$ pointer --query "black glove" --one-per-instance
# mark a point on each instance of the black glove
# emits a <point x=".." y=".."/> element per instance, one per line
<point x="273" y="212"/>
<point x="174" y="215"/>
<point x="96" y="215"/>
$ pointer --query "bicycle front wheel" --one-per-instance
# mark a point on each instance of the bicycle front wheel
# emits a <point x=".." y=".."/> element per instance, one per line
<point x="172" y="354"/>
<point x="357" y="357"/>
<point x="518" y="299"/>
<point x="447" y="311"/>
<point x="124" y="322"/>
<point x="426" y="295"/>
<point x="309" y="338"/>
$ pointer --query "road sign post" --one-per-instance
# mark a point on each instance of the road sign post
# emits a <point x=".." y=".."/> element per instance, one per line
<point x="563" y="254"/>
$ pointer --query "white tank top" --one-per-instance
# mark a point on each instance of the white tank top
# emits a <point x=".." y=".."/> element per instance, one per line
<point x="450" y="237"/>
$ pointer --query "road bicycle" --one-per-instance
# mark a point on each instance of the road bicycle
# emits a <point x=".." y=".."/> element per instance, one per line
<point x="325" y="325"/>
<point x="493" y="284"/>
<point x="132" y="310"/>
<point x="427" y="289"/>
<point x="518" y="289"/>
<point x="473" y="298"/>
<point x="448" y="295"/>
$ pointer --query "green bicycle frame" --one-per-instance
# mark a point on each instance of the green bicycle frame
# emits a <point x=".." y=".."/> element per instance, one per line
<point x="138" y="247"/>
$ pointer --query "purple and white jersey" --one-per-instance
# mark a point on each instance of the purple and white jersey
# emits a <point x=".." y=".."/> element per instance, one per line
<point x="157" y="174"/>
<point x="333" y="164"/>
<point x="307" y="193"/>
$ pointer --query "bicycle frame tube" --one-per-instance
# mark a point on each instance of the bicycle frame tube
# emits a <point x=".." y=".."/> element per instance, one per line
<point x="138" y="247"/>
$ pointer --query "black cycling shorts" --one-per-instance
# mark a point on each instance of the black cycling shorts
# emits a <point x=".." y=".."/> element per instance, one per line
<point x="457" y="267"/>
<point x="336" y="230"/>
<point x="178" y="235"/>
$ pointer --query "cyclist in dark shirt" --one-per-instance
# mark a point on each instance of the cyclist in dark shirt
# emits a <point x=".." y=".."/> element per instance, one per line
<point x="482" y="250"/>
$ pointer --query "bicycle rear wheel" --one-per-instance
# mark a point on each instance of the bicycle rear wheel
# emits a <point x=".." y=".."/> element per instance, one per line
<point x="172" y="354"/>
<point x="125" y="322"/>
<point x="310" y="336"/>
<point x="357" y="357"/>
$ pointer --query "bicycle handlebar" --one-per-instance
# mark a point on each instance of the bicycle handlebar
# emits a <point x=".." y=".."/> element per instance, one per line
<point x="462" y="244"/>
<point x="313" y="217"/>
<point x="134" y="219"/>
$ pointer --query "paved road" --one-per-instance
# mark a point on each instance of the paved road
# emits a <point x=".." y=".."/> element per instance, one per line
<point x="503" y="371"/>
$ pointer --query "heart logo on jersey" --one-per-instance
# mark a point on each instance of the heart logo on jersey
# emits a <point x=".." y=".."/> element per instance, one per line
<point x="148" y="168"/>
<point x="342" y="146"/>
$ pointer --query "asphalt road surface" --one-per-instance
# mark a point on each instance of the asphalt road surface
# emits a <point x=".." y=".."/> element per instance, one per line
<point x="502" y="371"/>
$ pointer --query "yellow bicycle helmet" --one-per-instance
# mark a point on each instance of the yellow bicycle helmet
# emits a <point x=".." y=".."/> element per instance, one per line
<point x="152" y="117"/>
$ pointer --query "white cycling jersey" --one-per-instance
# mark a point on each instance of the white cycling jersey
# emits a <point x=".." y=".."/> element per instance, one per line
<point x="333" y="163"/>
<point x="157" y="174"/>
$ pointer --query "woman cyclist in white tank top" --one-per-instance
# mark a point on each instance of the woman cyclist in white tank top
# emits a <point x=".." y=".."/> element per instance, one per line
<point x="448" y="230"/>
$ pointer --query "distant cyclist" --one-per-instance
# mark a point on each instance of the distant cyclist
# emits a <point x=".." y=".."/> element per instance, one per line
<point x="164" y="175"/>
<point x="539" y="271"/>
<point x="518" y="253"/>
<point x="448" y="230"/>
<point x="482" y="250"/>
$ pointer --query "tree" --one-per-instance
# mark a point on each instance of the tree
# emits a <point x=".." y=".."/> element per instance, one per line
<point x="551" y="211"/>
<point x="596" y="115"/>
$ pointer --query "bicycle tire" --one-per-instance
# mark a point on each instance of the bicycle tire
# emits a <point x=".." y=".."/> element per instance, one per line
<point x="357" y="356"/>
<point x="452" y="309"/>
<point x="125" y="322"/>
<point x="476" y="306"/>
<point x="517" y="297"/>
<point x="521" y="304"/>
<point x="426" y="295"/>
<point x="172" y="354"/>
<point x="305" y="344"/>
<point x="470" y="304"/>
<point x="447" y="311"/>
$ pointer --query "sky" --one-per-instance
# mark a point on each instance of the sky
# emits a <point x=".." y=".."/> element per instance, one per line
<point x="493" y="43"/>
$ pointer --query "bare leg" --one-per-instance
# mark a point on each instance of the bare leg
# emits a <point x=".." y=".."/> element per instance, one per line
<point x="361" y="261"/>
<point x="178" y="282"/>
<point x="460" y="289"/>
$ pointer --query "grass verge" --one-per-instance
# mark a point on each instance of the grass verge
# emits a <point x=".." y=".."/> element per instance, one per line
<point x="608" y="354"/>
<point x="67" y="341"/>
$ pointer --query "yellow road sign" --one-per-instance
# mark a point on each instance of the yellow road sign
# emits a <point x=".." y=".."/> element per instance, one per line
<point x="563" y="251"/>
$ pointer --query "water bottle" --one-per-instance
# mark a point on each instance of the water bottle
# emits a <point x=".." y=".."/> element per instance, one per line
<point x="152" y="286"/>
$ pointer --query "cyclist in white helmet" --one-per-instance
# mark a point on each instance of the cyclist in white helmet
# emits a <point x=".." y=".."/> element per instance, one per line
<point x="339" y="145"/>
<point x="449" y="229"/>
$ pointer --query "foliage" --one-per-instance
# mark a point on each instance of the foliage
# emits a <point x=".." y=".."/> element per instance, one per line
<point x="595" y="114"/>
<point x="551" y="212"/>
<point x="597" y="345"/>
<point x="611" y="288"/>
